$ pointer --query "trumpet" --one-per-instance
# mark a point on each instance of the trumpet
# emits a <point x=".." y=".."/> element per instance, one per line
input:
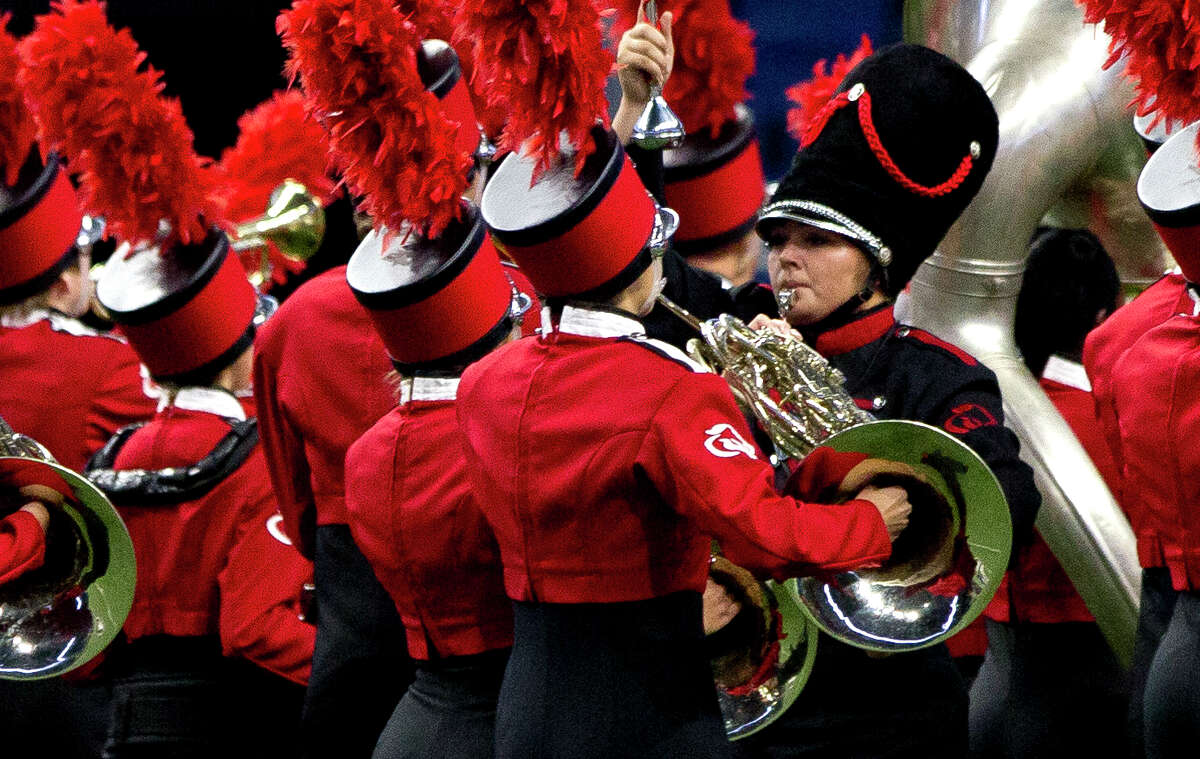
<point x="294" y="223"/>
<point x="946" y="564"/>
<point x="60" y="615"/>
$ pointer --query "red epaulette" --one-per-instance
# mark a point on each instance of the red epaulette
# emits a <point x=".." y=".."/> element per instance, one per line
<point x="937" y="342"/>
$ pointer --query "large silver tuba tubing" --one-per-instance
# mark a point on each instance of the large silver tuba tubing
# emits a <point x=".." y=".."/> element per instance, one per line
<point x="1060" y="114"/>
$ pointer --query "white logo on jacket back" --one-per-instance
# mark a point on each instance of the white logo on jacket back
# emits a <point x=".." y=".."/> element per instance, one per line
<point x="725" y="442"/>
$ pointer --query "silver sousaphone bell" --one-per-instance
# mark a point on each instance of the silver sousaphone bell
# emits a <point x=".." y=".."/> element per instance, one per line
<point x="658" y="126"/>
<point x="60" y="615"/>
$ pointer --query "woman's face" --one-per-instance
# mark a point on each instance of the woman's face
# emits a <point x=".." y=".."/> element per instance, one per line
<point x="822" y="269"/>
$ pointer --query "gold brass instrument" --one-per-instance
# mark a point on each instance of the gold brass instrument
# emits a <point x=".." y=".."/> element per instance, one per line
<point x="294" y="221"/>
<point x="658" y="126"/>
<point x="60" y="615"/>
<point x="945" y="566"/>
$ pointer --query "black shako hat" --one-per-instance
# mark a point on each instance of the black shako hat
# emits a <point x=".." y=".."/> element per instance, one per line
<point x="893" y="158"/>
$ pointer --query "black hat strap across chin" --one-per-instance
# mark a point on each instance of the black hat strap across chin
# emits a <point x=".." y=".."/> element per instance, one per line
<point x="858" y="94"/>
<point x="842" y="315"/>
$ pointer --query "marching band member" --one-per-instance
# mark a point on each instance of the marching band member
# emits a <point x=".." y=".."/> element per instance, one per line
<point x="65" y="384"/>
<point x="1141" y="363"/>
<point x="601" y="459"/>
<point x="884" y="169"/>
<point x="312" y="409"/>
<point x="1050" y="682"/>
<point x="191" y="483"/>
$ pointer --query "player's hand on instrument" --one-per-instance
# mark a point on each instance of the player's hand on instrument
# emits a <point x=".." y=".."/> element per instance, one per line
<point x="778" y="326"/>
<point x="719" y="607"/>
<point x="893" y="506"/>
<point x="645" y="56"/>
<point x="40" y="513"/>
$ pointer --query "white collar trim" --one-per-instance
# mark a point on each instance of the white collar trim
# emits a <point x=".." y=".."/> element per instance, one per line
<point x="428" y="389"/>
<point x="207" y="399"/>
<point x="1066" y="372"/>
<point x="587" y="322"/>
<point x="58" y="321"/>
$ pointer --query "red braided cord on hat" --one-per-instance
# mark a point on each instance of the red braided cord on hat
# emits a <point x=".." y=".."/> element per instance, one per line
<point x="818" y="122"/>
<point x="812" y="95"/>
<point x="868" y="126"/>
<point x="129" y="145"/>
<point x="17" y="129"/>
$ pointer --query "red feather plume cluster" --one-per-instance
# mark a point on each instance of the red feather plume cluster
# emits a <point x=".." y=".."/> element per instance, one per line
<point x="435" y="19"/>
<point x="1161" y="41"/>
<point x="17" y="128"/>
<point x="714" y="56"/>
<point x="357" y="61"/>
<point x="812" y="95"/>
<point x="129" y="145"/>
<point x="543" y="63"/>
<point x="277" y="140"/>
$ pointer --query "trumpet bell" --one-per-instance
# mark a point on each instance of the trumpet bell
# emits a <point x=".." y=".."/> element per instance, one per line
<point x="57" y="617"/>
<point x="657" y="127"/>
<point x="294" y="222"/>
<point x="945" y="565"/>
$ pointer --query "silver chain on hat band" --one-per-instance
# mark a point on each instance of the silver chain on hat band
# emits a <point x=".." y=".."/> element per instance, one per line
<point x="809" y="208"/>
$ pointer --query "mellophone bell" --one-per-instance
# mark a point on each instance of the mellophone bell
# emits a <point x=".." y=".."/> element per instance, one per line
<point x="56" y="616"/>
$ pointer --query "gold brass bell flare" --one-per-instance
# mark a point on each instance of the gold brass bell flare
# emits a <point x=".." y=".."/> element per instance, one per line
<point x="945" y="566"/>
<point x="294" y="221"/>
<point x="57" y="617"/>
<point x="657" y="127"/>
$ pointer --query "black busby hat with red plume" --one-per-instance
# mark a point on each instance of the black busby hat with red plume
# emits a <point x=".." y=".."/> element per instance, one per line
<point x="174" y="288"/>
<point x="427" y="273"/>
<point x="892" y="159"/>
<point x="714" y="179"/>
<point x="39" y="211"/>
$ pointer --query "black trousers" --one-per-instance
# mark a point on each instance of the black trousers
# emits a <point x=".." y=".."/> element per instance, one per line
<point x="54" y="717"/>
<point x="361" y="666"/>
<point x="858" y="706"/>
<point x="1048" y="690"/>
<point x="1157" y="606"/>
<point x="179" y="697"/>
<point x="448" y="711"/>
<point x="599" y="681"/>
<point x="1172" y="698"/>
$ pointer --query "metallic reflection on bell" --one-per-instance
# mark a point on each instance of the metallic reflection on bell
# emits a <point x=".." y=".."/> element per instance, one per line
<point x="658" y="126"/>
<point x="60" y="615"/>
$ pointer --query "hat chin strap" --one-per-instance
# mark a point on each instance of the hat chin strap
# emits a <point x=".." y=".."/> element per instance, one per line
<point x="843" y="314"/>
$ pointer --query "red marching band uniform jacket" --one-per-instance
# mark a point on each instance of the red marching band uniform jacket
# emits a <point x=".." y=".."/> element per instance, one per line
<point x="68" y="386"/>
<point x="414" y="516"/>
<point x="604" y="460"/>
<point x="210" y="566"/>
<point x="1037" y="588"/>
<point x="319" y="369"/>
<point x="1144" y="364"/>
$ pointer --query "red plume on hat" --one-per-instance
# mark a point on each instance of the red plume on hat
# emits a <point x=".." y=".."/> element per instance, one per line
<point x="17" y="128"/>
<point x="544" y="63"/>
<point x="129" y="145"/>
<point x="357" y="62"/>
<point x="714" y="56"/>
<point x="804" y="121"/>
<point x="436" y="19"/>
<point x="277" y="140"/>
<point x="1160" y="40"/>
